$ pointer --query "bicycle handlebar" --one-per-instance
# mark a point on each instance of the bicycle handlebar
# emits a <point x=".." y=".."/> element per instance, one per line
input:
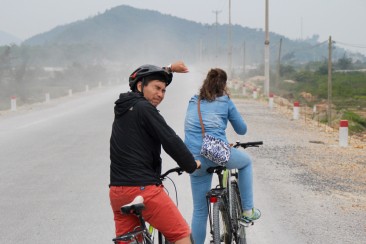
<point x="248" y="144"/>
<point x="177" y="169"/>
<point x="219" y="169"/>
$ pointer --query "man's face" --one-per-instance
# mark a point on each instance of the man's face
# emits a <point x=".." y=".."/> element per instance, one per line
<point x="154" y="92"/>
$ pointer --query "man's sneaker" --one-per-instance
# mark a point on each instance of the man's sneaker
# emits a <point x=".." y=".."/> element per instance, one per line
<point x="256" y="214"/>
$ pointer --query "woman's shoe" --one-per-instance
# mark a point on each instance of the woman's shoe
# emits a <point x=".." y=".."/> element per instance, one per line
<point x="254" y="215"/>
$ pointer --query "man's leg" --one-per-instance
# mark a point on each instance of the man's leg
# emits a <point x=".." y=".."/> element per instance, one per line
<point x="185" y="240"/>
<point x="162" y="213"/>
<point x="119" y="196"/>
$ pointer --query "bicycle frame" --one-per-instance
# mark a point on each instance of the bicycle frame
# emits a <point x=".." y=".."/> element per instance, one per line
<point x="141" y="231"/>
<point x="229" y="203"/>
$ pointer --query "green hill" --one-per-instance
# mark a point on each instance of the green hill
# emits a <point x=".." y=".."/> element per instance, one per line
<point x="106" y="47"/>
<point x="127" y="34"/>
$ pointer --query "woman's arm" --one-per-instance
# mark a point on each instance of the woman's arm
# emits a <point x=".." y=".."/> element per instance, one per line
<point x="236" y="119"/>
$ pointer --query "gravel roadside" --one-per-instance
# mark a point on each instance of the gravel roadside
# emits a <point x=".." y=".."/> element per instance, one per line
<point x="309" y="189"/>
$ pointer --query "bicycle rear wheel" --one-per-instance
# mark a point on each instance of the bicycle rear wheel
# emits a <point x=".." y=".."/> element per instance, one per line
<point x="236" y="210"/>
<point x="162" y="239"/>
<point x="221" y="224"/>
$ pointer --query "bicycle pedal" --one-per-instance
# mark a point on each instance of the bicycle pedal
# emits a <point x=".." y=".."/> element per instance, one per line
<point x="246" y="223"/>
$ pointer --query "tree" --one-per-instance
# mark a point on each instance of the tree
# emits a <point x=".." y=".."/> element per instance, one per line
<point x="323" y="68"/>
<point x="344" y="63"/>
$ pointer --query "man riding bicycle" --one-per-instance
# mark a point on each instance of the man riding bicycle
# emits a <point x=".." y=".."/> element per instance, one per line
<point x="138" y="132"/>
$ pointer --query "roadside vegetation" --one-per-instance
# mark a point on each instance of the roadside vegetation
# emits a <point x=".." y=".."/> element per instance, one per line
<point x="308" y="84"/>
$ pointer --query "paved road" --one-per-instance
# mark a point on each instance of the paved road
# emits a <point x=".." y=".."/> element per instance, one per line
<point x="54" y="172"/>
<point x="54" y="167"/>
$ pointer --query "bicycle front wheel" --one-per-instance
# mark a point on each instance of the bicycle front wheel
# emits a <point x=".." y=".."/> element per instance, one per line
<point x="221" y="224"/>
<point x="163" y="240"/>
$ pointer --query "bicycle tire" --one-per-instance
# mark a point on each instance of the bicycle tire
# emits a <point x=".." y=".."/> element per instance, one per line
<point x="165" y="241"/>
<point x="162" y="239"/>
<point x="221" y="224"/>
<point x="236" y="210"/>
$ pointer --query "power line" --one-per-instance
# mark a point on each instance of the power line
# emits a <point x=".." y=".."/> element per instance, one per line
<point x="311" y="47"/>
<point x="350" y="45"/>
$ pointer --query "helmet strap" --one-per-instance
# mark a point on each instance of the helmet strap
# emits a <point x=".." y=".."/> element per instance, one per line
<point x="142" y="86"/>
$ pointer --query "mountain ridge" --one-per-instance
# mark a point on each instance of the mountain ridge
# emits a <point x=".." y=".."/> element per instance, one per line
<point x="7" y="39"/>
<point x="125" y="31"/>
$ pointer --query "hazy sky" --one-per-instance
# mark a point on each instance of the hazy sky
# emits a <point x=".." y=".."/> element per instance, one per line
<point x="342" y="19"/>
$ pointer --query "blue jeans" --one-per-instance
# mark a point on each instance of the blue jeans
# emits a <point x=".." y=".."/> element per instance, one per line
<point x="201" y="184"/>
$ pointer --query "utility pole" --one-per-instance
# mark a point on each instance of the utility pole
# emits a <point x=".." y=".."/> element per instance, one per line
<point x="266" y="55"/>
<point x="301" y="38"/>
<point x="279" y="64"/>
<point x="244" y="70"/>
<point x="216" y="23"/>
<point x="230" y="46"/>
<point x="330" y="81"/>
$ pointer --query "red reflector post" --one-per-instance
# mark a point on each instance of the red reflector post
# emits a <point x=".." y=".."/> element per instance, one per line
<point x="343" y="123"/>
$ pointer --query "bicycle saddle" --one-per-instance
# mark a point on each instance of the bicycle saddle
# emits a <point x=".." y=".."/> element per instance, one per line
<point x="135" y="206"/>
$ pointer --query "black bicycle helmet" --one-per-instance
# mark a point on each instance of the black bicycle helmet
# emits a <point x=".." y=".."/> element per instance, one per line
<point x="147" y="70"/>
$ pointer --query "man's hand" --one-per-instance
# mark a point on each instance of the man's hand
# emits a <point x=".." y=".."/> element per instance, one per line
<point x="179" y="67"/>
<point x="198" y="164"/>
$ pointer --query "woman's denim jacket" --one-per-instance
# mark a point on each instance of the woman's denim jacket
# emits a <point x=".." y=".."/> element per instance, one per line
<point x="215" y="116"/>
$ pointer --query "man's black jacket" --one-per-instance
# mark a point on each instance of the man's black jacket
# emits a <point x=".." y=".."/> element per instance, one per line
<point x="138" y="132"/>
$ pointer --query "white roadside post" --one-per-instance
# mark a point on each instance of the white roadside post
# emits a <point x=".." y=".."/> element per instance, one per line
<point x="100" y="84"/>
<point x="70" y="92"/>
<point x="86" y="88"/>
<point x="13" y="103"/>
<point x="271" y="100"/>
<point x="343" y="133"/>
<point x="47" y="97"/>
<point x="244" y="91"/>
<point x="237" y="86"/>
<point x="296" y="110"/>
<point x="229" y="84"/>
<point x="255" y="93"/>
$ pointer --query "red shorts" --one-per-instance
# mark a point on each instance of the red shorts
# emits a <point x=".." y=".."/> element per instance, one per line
<point x="160" y="211"/>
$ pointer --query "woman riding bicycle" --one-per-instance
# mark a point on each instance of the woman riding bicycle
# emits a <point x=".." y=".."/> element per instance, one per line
<point x="216" y="109"/>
